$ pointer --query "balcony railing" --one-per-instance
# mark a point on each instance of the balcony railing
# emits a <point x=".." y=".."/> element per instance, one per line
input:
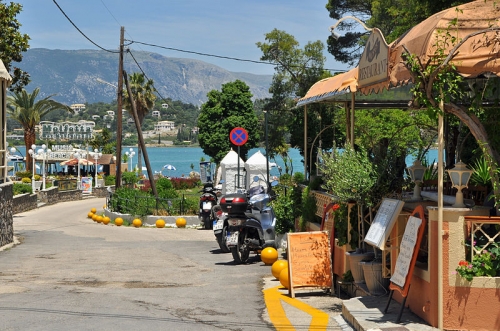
<point x="483" y="234"/>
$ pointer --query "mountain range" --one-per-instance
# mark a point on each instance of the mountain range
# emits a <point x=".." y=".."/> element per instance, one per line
<point x="72" y="75"/>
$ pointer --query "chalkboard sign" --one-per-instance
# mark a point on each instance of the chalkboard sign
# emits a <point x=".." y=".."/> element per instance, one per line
<point x="384" y="221"/>
<point x="408" y="251"/>
<point x="309" y="260"/>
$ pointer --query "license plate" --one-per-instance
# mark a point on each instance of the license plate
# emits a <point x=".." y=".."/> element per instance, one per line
<point x="218" y="225"/>
<point x="232" y="239"/>
<point x="207" y="205"/>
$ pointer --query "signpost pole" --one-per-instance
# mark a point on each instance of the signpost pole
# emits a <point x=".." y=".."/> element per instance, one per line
<point x="238" y="166"/>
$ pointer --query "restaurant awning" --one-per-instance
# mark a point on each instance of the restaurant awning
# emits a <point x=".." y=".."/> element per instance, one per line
<point x="328" y="88"/>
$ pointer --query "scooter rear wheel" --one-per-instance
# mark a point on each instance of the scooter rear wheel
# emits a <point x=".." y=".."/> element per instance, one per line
<point x="207" y="223"/>
<point x="221" y="240"/>
<point x="240" y="252"/>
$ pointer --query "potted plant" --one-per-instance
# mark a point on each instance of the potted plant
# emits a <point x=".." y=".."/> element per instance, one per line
<point x="349" y="176"/>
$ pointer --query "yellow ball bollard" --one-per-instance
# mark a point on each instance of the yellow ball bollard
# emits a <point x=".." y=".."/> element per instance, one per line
<point x="93" y="210"/>
<point x="94" y="217"/>
<point x="181" y="222"/>
<point x="118" y="221"/>
<point x="90" y="214"/>
<point x="160" y="223"/>
<point x="284" y="278"/>
<point x="277" y="267"/>
<point x="269" y="255"/>
<point x="99" y="219"/>
<point x="105" y="220"/>
<point x="137" y="223"/>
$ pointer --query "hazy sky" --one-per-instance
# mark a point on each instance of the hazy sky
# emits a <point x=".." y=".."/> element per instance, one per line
<point x="220" y="27"/>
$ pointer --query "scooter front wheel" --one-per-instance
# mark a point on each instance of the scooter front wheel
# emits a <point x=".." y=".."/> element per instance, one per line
<point x="240" y="252"/>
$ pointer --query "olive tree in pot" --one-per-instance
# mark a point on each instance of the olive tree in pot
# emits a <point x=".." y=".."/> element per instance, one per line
<point x="349" y="175"/>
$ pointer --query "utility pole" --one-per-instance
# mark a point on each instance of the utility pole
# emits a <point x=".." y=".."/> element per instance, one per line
<point x="118" y="182"/>
<point x="141" y="138"/>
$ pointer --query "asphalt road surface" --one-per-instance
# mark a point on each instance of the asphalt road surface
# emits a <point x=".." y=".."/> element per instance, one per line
<point x="70" y="273"/>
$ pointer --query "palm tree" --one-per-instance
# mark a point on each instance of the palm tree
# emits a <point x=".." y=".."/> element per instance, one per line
<point x="21" y="106"/>
<point x="144" y="99"/>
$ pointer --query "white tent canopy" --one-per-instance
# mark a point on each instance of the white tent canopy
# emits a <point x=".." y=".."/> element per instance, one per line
<point x="256" y="166"/>
<point x="229" y="172"/>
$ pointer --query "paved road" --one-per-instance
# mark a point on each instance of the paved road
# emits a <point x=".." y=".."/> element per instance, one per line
<point x="70" y="273"/>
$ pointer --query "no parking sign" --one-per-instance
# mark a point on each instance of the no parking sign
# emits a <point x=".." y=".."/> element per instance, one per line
<point x="238" y="136"/>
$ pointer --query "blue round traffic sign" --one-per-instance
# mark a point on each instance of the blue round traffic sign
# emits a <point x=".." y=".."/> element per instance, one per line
<point x="238" y="136"/>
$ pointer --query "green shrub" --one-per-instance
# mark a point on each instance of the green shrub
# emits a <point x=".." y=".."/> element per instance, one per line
<point x="26" y="180"/>
<point x="38" y="177"/>
<point x="21" y="188"/>
<point x="284" y="207"/>
<point x="109" y="180"/>
<point x="130" y="178"/>
<point x="308" y="208"/>
<point x="165" y="189"/>
<point x="299" y="177"/>
<point x="191" y="204"/>
<point x="23" y="174"/>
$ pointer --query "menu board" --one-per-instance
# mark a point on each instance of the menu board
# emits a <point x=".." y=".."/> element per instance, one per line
<point x="86" y="185"/>
<point x="406" y="251"/>
<point x="309" y="260"/>
<point x="384" y="221"/>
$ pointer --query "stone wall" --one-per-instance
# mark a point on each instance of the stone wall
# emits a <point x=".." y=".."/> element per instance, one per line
<point x="24" y="202"/>
<point x="100" y="192"/>
<point x="6" y="222"/>
<point x="52" y="195"/>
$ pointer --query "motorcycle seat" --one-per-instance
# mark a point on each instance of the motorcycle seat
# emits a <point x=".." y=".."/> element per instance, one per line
<point x="252" y="215"/>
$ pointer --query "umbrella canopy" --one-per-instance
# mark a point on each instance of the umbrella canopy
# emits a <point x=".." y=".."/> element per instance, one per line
<point x="479" y="54"/>
<point x="73" y="162"/>
<point x="169" y="167"/>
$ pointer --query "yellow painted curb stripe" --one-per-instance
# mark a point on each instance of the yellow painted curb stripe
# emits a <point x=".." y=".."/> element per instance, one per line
<point x="273" y="298"/>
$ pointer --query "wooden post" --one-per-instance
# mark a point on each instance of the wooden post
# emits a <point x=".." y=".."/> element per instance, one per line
<point x="140" y="136"/>
<point x="119" y="116"/>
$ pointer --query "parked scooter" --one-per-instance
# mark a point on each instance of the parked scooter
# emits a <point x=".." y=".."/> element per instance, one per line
<point x="250" y="222"/>
<point x="207" y="201"/>
<point x="220" y="228"/>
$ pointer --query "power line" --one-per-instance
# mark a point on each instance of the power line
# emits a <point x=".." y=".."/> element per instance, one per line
<point x="83" y="34"/>
<point x="138" y="65"/>
<point x="213" y="55"/>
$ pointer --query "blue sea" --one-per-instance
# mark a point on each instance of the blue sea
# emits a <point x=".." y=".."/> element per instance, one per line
<point x="183" y="157"/>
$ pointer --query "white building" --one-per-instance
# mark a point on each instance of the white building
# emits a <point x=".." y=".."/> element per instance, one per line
<point x="78" y="107"/>
<point x="164" y="126"/>
<point x="156" y="113"/>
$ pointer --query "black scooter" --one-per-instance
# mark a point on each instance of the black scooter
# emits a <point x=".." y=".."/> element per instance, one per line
<point x="207" y="201"/>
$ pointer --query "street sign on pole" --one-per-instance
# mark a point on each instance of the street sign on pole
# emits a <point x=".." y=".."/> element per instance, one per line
<point x="238" y="136"/>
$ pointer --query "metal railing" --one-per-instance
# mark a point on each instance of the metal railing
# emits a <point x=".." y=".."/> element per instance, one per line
<point x="145" y="205"/>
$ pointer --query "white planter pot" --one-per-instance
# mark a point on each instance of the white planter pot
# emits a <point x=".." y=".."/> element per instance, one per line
<point x="354" y="263"/>
<point x="376" y="284"/>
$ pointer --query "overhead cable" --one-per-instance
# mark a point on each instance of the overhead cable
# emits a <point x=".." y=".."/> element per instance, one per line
<point x="145" y="76"/>
<point x="83" y="34"/>
<point x="213" y="55"/>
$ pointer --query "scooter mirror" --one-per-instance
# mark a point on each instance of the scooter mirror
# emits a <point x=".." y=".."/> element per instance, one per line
<point x="256" y="179"/>
<point x="274" y="183"/>
<point x="222" y="181"/>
